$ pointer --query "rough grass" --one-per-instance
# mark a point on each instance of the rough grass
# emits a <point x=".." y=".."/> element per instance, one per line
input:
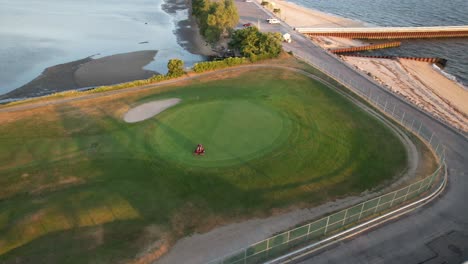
<point x="80" y="185"/>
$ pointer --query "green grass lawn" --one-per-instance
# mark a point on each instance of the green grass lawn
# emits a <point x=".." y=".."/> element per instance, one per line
<point x="232" y="132"/>
<point x="80" y="185"/>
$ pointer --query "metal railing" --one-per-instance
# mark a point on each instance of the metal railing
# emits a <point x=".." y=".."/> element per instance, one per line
<point x="281" y="243"/>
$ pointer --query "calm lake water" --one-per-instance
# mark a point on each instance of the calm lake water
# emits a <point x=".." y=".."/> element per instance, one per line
<point x="36" y="34"/>
<point x="410" y="13"/>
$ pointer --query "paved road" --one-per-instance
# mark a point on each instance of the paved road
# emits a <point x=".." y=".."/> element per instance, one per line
<point x="436" y="233"/>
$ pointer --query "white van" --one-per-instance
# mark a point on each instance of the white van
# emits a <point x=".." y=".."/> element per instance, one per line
<point x="273" y="21"/>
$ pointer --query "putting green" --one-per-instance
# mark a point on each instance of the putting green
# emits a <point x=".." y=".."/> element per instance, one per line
<point x="232" y="132"/>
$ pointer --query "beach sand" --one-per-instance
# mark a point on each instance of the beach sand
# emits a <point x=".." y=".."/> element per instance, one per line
<point x="298" y="16"/>
<point x="420" y="84"/>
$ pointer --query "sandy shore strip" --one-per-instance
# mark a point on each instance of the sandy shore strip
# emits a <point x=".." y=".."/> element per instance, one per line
<point x="420" y="84"/>
<point x="148" y="110"/>
<point x="298" y="16"/>
<point x="87" y="72"/>
<point x="53" y="79"/>
<point x="116" y="68"/>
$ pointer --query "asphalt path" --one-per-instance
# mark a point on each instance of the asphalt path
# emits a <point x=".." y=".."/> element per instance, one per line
<point x="435" y="233"/>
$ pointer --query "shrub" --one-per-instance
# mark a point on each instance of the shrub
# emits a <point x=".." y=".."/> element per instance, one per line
<point x="214" y="65"/>
<point x="175" y="68"/>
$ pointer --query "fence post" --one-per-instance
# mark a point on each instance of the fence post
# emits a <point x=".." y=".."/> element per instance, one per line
<point x="345" y="215"/>
<point x="393" y="110"/>
<point x="245" y="256"/>
<point x="406" y="195"/>
<point x="412" y="123"/>
<point x="377" y="206"/>
<point x="402" y="117"/>
<point x="420" y="187"/>
<point x="360" y="213"/>
<point x="430" y="140"/>
<point x="326" y="226"/>
<point x="419" y="129"/>
<point x="385" y="108"/>
<point x="268" y="247"/>
<point x="393" y="199"/>
<point x="433" y="176"/>
<point x="308" y="231"/>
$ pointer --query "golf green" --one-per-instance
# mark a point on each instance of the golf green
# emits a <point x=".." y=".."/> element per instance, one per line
<point x="232" y="132"/>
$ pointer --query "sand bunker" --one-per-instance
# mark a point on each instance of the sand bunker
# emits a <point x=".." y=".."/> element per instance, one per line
<point x="148" y="110"/>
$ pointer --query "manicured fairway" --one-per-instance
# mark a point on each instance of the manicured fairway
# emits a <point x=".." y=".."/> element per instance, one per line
<point x="80" y="185"/>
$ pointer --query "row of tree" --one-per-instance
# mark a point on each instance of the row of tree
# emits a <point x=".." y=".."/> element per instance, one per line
<point x="215" y="18"/>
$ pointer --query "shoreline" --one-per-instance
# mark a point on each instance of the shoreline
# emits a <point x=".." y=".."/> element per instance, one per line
<point x="421" y="83"/>
<point x="187" y="30"/>
<point x="86" y="73"/>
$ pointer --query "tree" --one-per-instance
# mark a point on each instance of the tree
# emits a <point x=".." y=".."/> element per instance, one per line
<point x="175" y="68"/>
<point x="256" y="45"/>
<point x="215" y="18"/>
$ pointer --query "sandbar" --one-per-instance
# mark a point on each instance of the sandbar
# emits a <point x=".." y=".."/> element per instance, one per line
<point x="114" y="69"/>
<point x="87" y="72"/>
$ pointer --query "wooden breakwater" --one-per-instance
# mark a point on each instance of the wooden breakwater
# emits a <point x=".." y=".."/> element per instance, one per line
<point x="367" y="47"/>
<point x="439" y="61"/>
<point x="389" y="32"/>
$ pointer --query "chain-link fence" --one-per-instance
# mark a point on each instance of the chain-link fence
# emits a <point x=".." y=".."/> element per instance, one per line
<point x="316" y="230"/>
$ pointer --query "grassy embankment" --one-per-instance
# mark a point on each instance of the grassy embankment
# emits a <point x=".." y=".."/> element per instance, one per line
<point x="81" y="185"/>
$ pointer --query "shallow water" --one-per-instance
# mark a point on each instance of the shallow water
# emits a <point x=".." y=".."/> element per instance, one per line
<point x="36" y="34"/>
<point x="410" y="13"/>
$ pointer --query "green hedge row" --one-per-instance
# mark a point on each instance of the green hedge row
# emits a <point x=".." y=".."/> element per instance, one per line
<point x="154" y="79"/>
<point x="215" y="65"/>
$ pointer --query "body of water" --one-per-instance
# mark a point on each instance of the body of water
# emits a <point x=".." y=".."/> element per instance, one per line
<point x="36" y="34"/>
<point x="409" y="13"/>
